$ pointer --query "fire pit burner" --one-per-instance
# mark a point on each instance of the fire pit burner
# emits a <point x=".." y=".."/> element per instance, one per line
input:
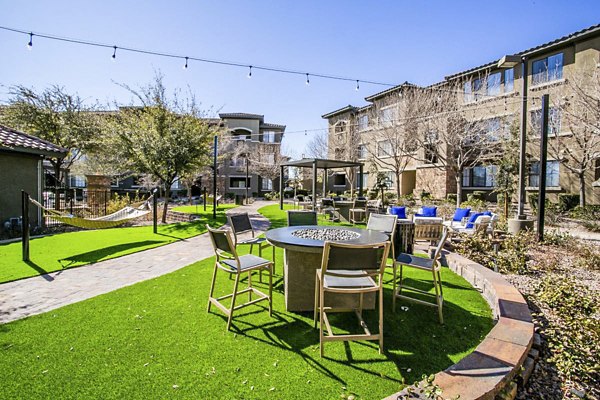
<point x="326" y="234"/>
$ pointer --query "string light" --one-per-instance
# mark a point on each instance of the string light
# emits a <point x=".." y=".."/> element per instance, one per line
<point x="307" y="80"/>
<point x="357" y="85"/>
<point x="30" y="44"/>
<point x="199" y="59"/>
<point x="186" y="63"/>
<point x="114" y="56"/>
<point x="250" y="71"/>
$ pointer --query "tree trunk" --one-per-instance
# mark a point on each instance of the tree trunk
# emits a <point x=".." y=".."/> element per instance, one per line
<point x="166" y="205"/>
<point x="582" y="189"/>
<point x="398" y="185"/>
<point x="459" y="188"/>
<point x="189" y="195"/>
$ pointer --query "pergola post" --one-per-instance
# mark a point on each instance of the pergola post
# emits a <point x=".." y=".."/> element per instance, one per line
<point x="360" y="180"/>
<point x="324" y="182"/>
<point x="314" y="184"/>
<point x="281" y="188"/>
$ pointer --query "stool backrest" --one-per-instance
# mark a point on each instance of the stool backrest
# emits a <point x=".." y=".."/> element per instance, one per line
<point x="240" y="223"/>
<point x="297" y="218"/>
<point x="343" y="256"/>
<point x="222" y="242"/>
<point x="360" y="203"/>
<point x="382" y="223"/>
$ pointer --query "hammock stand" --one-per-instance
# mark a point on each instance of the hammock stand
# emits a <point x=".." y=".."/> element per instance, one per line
<point x="108" y="221"/>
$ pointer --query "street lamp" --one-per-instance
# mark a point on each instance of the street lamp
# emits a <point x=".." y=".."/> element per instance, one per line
<point x="520" y="222"/>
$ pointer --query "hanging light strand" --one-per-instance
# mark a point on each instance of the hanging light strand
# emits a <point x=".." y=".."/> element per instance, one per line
<point x="199" y="59"/>
<point x="30" y="44"/>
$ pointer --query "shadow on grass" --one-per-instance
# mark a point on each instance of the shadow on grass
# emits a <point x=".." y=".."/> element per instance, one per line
<point x="97" y="255"/>
<point x="40" y="270"/>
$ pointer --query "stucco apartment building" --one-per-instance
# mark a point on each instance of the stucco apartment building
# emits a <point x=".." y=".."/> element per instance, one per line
<point x="254" y="141"/>
<point x="491" y="95"/>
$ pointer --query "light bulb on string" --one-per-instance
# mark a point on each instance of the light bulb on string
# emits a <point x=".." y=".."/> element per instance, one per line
<point x="307" y="80"/>
<point x="305" y="132"/>
<point x="114" y="55"/>
<point x="357" y="85"/>
<point x="250" y="71"/>
<point x="186" y="63"/>
<point x="30" y="44"/>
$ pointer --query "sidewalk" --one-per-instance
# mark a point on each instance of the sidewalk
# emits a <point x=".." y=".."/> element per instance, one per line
<point x="43" y="293"/>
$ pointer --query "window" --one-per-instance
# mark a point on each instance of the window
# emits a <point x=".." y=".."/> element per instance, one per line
<point x="430" y="147"/>
<point x="339" y="180"/>
<point x="468" y="92"/>
<point x="384" y="148"/>
<point x="267" y="184"/>
<point x="493" y="84"/>
<point x="269" y="137"/>
<point x="365" y="180"/>
<point x="176" y="184"/>
<point x="76" y="181"/>
<point x="268" y="158"/>
<point x="363" y="122"/>
<point x="552" y="174"/>
<point x="114" y="182"/>
<point x="547" y="69"/>
<point x="237" y="162"/>
<point x="480" y="176"/>
<point x="477" y="87"/>
<point x="136" y="181"/>
<point x="340" y="127"/>
<point x="554" y="117"/>
<point x="387" y="116"/>
<point x="362" y="151"/>
<point x="493" y="129"/>
<point x="389" y="177"/>
<point x="597" y="170"/>
<point x="509" y="80"/>
<point x="239" y="183"/>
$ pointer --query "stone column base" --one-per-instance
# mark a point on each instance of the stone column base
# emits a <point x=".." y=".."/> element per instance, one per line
<point x="516" y="225"/>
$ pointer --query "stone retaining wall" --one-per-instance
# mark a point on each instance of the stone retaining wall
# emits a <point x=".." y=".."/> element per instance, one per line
<point x="176" y="216"/>
<point x="489" y="370"/>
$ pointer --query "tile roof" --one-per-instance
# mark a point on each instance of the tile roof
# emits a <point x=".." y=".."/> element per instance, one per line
<point x="339" y="111"/>
<point x="592" y="30"/>
<point x="242" y="116"/>
<point x="272" y="126"/>
<point x="389" y="90"/>
<point x="21" y="142"/>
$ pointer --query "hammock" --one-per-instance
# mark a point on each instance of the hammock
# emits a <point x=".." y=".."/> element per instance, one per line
<point x="108" y="221"/>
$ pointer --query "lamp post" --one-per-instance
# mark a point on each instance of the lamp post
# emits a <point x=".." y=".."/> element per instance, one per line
<point x="520" y="222"/>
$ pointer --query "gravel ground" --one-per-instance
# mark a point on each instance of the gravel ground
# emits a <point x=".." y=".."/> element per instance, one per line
<point x="545" y="381"/>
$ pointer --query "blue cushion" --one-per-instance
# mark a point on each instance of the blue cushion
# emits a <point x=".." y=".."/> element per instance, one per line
<point x="399" y="211"/>
<point x="461" y="213"/>
<point x="488" y="213"/>
<point x="472" y="218"/>
<point x="428" y="212"/>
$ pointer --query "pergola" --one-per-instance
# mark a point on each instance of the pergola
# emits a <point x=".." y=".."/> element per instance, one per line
<point x="319" y="163"/>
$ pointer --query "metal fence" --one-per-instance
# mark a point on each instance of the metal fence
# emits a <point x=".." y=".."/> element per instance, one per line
<point x="76" y="201"/>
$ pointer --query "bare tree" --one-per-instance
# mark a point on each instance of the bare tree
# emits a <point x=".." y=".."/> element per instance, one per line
<point x="343" y="145"/>
<point x="453" y="136"/>
<point x="578" y="104"/>
<point x="317" y="146"/>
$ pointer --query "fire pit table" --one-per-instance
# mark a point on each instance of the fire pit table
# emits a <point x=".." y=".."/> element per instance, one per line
<point x="303" y="251"/>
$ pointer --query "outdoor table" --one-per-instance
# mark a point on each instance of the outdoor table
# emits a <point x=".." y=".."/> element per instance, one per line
<point x="302" y="257"/>
<point x="344" y="207"/>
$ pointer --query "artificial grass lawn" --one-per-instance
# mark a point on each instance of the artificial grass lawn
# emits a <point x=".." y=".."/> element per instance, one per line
<point x="73" y="249"/>
<point x="156" y="340"/>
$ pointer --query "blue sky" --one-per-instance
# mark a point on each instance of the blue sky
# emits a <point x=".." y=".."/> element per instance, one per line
<point x="386" y="41"/>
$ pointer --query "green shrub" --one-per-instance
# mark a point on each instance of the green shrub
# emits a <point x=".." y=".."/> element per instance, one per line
<point x="589" y="213"/>
<point x="568" y="201"/>
<point x="425" y="195"/>
<point x="451" y="197"/>
<point x="533" y="201"/>
<point x="574" y="332"/>
<point x="477" y="195"/>
<point x="474" y="204"/>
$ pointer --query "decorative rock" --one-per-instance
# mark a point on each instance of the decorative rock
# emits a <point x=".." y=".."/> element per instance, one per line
<point x="326" y="234"/>
<point x="534" y="353"/>
<point x="537" y="341"/>
<point x="527" y="370"/>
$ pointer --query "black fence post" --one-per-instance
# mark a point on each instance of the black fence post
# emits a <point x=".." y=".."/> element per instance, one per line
<point x="155" y="210"/>
<point x="204" y="196"/>
<point x="25" y="224"/>
<point x="215" y="177"/>
<point x="543" y="159"/>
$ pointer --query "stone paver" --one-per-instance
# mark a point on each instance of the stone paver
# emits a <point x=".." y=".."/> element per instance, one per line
<point x="43" y="293"/>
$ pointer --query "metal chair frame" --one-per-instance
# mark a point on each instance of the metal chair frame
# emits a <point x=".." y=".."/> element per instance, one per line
<point x="359" y="207"/>
<point x="225" y="251"/>
<point x="375" y="279"/>
<point x="292" y="213"/>
<point x="433" y="265"/>
<point x="246" y="226"/>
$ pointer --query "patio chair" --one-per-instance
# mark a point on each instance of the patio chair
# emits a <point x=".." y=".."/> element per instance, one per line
<point x="358" y="208"/>
<point x="350" y="269"/>
<point x="240" y="224"/>
<point x="228" y="260"/>
<point x="297" y="218"/>
<point x="386" y="223"/>
<point x="429" y="232"/>
<point x="427" y="264"/>
<point x="328" y="207"/>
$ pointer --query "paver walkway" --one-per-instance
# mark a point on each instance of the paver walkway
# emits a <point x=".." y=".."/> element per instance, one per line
<point x="43" y="293"/>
